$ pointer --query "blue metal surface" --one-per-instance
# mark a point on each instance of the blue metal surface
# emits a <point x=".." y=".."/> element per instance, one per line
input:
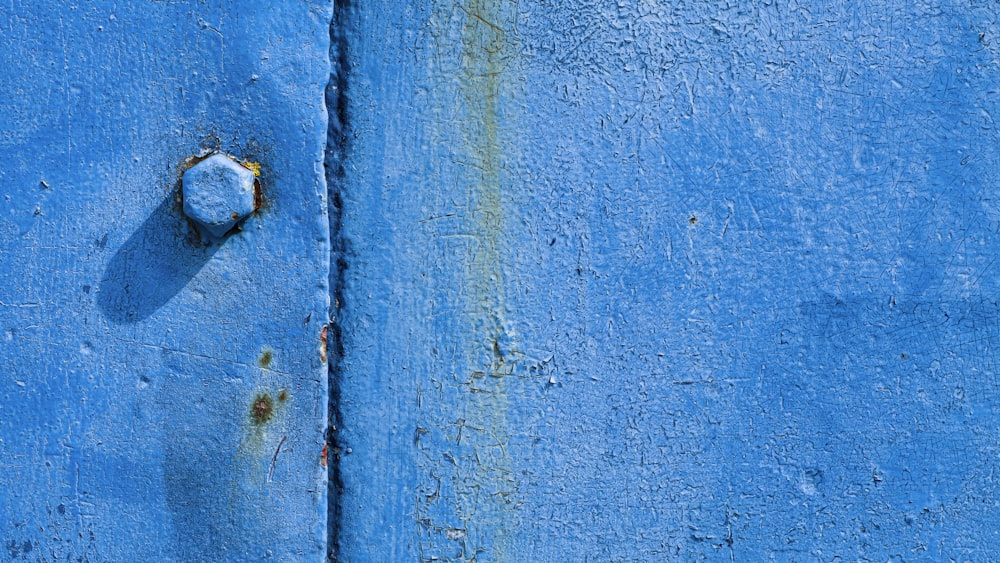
<point x="650" y="281"/>
<point x="162" y="398"/>
<point x="613" y="281"/>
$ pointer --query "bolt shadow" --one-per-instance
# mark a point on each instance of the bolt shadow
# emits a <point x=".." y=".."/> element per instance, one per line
<point x="153" y="265"/>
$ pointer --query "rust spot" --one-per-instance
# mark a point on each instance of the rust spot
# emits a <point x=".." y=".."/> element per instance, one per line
<point x="282" y="395"/>
<point x="324" y="454"/>
<point x="265" y="358"/>
<point x="693" y="220"/>
<point x="262" y="409"/>
<point x="322" y="344"/>
<point x="235" y="215"/>
<point x="258" y="196"/>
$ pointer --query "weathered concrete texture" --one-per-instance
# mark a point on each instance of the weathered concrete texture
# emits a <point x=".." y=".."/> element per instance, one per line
<point x="660" y="281"/>
<point x="161" y="398"/>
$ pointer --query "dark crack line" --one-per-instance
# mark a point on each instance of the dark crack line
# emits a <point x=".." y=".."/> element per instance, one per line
<point x="337" y="149"/>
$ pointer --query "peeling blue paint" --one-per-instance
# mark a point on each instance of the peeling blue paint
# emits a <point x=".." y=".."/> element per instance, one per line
<point x="737" y="261"/>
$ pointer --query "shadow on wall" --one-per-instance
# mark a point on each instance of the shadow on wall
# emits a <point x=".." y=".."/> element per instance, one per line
<point x="153" y="265"/>
<point x="207" y="486"/>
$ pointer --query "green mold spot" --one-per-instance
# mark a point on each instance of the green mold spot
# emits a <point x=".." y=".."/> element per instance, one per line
<point x="265" y="358"/>
<point x="262" y="409"/>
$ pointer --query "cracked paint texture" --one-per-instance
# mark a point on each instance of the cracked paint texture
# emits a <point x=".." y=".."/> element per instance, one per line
<point x="627" y="280"/>
<point x="648" y="281"/>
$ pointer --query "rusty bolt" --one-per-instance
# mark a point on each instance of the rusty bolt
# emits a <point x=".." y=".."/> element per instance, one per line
<point x="218" y="194"/>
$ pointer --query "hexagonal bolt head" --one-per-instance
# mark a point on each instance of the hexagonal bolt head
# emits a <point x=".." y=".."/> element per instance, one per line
<point x="218" y="193"/>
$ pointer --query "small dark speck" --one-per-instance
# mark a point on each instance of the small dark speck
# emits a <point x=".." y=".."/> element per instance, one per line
<point x="61" y="509"/>
<point x="693" y="220"/>
<point x="903" y="356"/>
<point x="103" y="241"/>
<point x="309" y="318"/>
<point x="86" y="289"/>
<point x="552" y="242"/>
<point x="44" y="184"/>
<point x="282" y="395"/>
<point x="966" y="160"/>
<point x="144" y="379"/>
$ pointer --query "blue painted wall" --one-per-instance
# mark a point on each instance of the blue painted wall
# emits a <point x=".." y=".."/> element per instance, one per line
<point x="651" y="281"/>
<point x="611" y="281"/>
<point x="132" y="352"/>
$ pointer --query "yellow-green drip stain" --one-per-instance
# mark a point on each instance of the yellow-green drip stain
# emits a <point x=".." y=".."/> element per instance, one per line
<point x="471" y="68"/>
<point x="484" y="81"/>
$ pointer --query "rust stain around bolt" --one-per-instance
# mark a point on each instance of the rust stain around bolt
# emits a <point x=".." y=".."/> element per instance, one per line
<point x="258" y="196"/>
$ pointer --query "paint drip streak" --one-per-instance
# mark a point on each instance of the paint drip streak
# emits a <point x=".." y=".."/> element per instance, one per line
<point x="485" y="54"/>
